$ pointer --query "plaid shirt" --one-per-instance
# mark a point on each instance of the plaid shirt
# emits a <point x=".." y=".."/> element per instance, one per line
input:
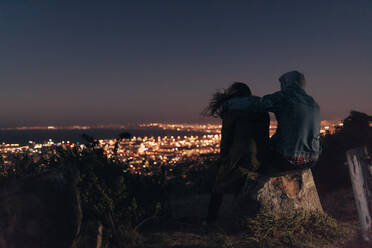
<point x="300" y="160"/>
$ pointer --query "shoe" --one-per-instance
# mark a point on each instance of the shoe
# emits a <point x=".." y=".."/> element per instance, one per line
<point x="205" y="222"/>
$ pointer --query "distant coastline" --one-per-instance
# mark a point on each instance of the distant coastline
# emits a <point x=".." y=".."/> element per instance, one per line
<point x="74" y="135"/>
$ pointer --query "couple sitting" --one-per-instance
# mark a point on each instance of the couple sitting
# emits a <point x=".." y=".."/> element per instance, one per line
<point x="246" y="150"/>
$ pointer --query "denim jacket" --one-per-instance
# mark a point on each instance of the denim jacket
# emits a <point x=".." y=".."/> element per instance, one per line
<point x="298" y="119"/>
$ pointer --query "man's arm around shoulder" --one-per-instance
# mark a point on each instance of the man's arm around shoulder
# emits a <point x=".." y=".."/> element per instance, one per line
<point x="254" y="103"/>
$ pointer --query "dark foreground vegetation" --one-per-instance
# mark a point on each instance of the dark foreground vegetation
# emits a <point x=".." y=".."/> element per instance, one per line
<point x="118" y="209"/>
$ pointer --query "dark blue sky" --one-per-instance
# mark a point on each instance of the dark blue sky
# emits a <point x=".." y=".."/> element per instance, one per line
<point x="88" y="62"/>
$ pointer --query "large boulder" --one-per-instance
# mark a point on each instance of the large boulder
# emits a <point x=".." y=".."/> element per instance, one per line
<point x="281" y="193"/>
<point x="40" y="211"/>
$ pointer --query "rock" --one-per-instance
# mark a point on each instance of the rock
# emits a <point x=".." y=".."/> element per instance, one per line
<point x="40" y="211"/>
<point x="280" y="194"/>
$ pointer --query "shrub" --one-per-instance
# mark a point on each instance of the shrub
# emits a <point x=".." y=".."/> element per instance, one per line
<point x="108" y="195"/>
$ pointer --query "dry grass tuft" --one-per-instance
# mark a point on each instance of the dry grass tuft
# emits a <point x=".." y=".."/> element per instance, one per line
<point x="297" y="229"/>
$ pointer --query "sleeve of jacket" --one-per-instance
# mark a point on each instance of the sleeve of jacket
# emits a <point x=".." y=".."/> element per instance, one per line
<point x="267" y="103"/>
<point x="226" y="134"/>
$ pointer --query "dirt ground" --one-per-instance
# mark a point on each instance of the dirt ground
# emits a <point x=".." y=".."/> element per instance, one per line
<point x="185" y="229"/>
<point x="340" y="205"/>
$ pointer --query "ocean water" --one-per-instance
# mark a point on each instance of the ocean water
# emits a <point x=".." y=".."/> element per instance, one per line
<point x="24" y="136"/>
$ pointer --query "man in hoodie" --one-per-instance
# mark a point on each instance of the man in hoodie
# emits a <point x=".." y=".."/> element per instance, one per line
<point x="296" y="142"/>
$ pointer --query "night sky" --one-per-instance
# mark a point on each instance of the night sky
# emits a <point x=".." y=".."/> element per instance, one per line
<point x="100" y="62"/>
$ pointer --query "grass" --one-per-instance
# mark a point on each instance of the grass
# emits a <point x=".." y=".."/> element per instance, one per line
<point x="297" y="229"/>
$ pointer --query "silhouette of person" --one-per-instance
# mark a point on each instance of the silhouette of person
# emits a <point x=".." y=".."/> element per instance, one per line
<point x="244" y="139"/>
<point x="295" y="143"/>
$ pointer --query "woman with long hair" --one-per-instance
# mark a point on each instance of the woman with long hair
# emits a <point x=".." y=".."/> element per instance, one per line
<point x="244" y="140"/>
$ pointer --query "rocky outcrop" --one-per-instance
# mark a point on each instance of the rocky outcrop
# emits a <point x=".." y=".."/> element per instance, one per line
<point x="40" y="211"/>
<point x="281" y="193"/>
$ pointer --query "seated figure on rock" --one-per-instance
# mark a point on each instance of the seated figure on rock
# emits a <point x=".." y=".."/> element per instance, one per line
<point x="245" y="136"/>
<point x="295" y="145"/>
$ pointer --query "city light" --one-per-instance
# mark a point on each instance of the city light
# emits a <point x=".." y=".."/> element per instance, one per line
<point x="145" y="154"/>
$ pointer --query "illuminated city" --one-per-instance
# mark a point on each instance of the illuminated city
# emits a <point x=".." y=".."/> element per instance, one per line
<point x="143" y="154"/>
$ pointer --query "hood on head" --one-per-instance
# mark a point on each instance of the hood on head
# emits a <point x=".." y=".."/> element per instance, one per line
<point x="292" y="78"/>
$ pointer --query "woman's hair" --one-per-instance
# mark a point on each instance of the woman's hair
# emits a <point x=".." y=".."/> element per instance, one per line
<point x="237" y="89"/>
